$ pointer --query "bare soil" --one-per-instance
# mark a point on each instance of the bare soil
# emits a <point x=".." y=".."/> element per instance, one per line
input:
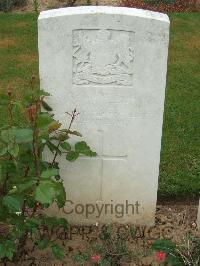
<point x="172" y="222"/>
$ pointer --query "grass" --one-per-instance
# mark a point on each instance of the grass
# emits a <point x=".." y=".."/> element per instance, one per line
<point x="18" y="49"/>
<point x="180" y="156"/>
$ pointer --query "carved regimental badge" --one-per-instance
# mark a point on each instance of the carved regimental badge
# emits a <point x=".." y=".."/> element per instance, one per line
<point x="103" y="57"/>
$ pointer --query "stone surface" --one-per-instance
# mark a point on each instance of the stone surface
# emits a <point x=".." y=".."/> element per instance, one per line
<point x="110" y="63"/>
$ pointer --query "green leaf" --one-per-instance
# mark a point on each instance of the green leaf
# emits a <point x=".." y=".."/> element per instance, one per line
<point x="32" y="222"/>
<point x="26" y="186"/>
<point x="14" y="203"/>
<point x="63" y="136"/>
<point x="83" y="148"/>
<point x="63" y="222"/>
<point x="49" y="173"/>
<point x="4" y="127"/>
<point x="19" y="227"/>
<point x="106" y="262"/>
<point x="2" y="251"/>
<point x="17" y="106"/>
<point x="164" y="245"/>
<point x="44" y="120"/>
<point x="3" y="151"/>
<point x="49" y="222"/>
<point x="45" y="193"/>
<point x="43" y="141"/>
<point x="76" y="133"/>
<point x="32" y="225"/>
<point x="7" y="249"/>
<point x="57" y="251"/>
<point x="49" y="190"/>
<point x="3" y="213"/>
<point x="18" y="135"/>
<point x="60" y="195"/>
<point x="72" y="156"/>
<point x="46" y="106"/>
<point x="42" y="243"/>
<point x="175" y="260"/>
<point x="23" y="135"/>
<point x="52" y="147"/>
<point x="13" y="149"/>
<point x="66" y="146"/>
<point x="7" y="136"/>
<point x="30" y="202"/>
<point x="4" y="99"/>
<point x="44" y="93"/>
<point x="8" y="166"/>
<point x="2" y="176"/>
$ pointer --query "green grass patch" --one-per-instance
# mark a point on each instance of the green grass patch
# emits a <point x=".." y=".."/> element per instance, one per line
<point x="180" y="156"/>
<point x="18" y="49"/>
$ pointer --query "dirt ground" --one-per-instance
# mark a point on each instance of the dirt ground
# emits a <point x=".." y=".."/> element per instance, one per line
<point x="172" y="222"/>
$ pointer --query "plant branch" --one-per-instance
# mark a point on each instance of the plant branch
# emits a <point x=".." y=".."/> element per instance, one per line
<point x="35" y="142"/>
<point x="5" y="184"/>
<point x="36" y="150"/>
<point x="73" y="116"/>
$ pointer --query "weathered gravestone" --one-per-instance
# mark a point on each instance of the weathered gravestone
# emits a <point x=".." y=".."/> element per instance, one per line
<point x="109" y="63"/>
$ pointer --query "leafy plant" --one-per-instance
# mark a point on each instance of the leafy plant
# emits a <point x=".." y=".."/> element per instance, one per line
<point x="28" y="183"/>
<point x="112" y="250"/>
<point x="36" y="6"/>
<point x="187" y="253"/>
<point x="7" y="5"/>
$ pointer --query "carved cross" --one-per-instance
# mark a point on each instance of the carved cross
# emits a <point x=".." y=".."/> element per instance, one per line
<point x="102" y="157"/>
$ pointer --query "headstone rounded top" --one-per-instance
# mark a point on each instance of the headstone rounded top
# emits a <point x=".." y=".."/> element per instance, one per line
<point x="82" y="10"/>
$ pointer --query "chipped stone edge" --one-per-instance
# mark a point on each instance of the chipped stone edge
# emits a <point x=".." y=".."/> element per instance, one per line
<point x="110" y="10"/>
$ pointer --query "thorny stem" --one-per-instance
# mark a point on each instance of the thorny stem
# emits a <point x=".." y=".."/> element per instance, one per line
<point x="32" y="85"/>
<point x="23" y="207"/>
<point x="10" y="114"/>
<point x="35" y="145"/>
<point x="36" y="151"/>
<point x="26" y="170"/>
<point x="4" y="188"/>
<point x="73" y="116"/>
<point x="22" y="241"/>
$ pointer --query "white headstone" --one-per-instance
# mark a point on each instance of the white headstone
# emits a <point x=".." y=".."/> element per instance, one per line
<point x="110" y="63"/>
